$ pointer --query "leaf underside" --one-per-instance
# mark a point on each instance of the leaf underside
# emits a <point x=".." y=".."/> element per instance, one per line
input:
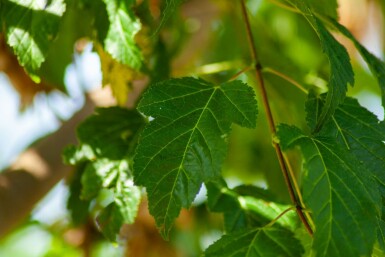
<point x="257" y="242"/>
<point x="185" y="144"/>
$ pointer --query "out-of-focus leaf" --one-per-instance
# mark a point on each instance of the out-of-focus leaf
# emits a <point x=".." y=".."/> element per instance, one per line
<point x="78" y="207"/>
<point x="116" y="75"/>
<point x="185" y="143"/>
<point x="122" y="210"/>
<point x="120" y="38"/>
<point x="30" y="27"/>
<point x="106" y="142"/>
<point x="109" y="132"/>
<point x="257" y="242"/>
<point x="375" y="64"/>
<point x="169" y="8"/>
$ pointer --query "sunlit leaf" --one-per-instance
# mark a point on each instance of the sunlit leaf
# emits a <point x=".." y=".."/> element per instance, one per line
<point x="30" y="27"/>
<point x="185" y="143"/>
<point x="117" y="76"/>
<point x="120" y="38"/>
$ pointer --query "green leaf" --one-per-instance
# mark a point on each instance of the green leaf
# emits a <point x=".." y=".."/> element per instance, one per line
<point x="364" y="140"/>
<point x="169" y="8"/>
<point x="122" y="211"/>
<point x="120" y="38"/>
<point x="375" y="64"/>
<point x="326" y="8"/>
<point x="30" y="27"/>
<point x="99" y="174"/>
<point x="340" y="192"/>
<point x="78" y="207"/>
<point x="106" y="142"/>
<point x="185" y="144"/>
<point x="255" y="242"/>
<point x="247" y="206"/>
<point x="341" y="71"/>
<point x="109" y="133"/>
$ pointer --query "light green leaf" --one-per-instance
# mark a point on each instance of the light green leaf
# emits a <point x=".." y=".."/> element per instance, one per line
<point x="247" y="206"/>
<point x="120" y="39"/>
<point x="185" y="144"/>
<point x="340" y="192"/>
<point x="341" y="71"/>
<point x="30" y="27"/>
<point x="257" y="242"/>
<point x="375" y="64"/>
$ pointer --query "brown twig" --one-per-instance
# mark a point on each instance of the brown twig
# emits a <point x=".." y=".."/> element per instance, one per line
<point x="269" y="115"/>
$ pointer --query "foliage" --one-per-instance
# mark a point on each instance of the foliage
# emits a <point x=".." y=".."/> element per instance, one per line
<point x="179" y="138"/>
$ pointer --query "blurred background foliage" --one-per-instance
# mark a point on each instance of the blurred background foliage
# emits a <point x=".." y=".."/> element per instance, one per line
<point x="203" y="38"/>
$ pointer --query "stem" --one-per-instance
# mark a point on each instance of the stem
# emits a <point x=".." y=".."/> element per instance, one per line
<point x="287" y="78"/>
<point x="236" y="75"/>
<point x="271" y="223"/>
<point x="269" y="116"/>
<point x="299" y="195"/>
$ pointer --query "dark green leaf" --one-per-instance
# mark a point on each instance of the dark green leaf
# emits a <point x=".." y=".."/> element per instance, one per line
<point x="78" y="207"/>
<point x="108" y="133"/>
<point x="340" y="192"/>
<point x="30" y="28"/>
<point x="185" y="144"/>
<point x="375" y="64"/>
<point x="106" y="141"/>
<point x="110" y="221"/>
<point x="120" y="38"/>
<point x="358" y="130"/>
<point x="257" y="242"/>
<point x="341" y="71"/>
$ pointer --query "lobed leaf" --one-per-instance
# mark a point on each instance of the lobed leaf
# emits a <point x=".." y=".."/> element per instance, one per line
<point x="185" y="143"/>
<point x="340" y="192"/>
<point x="257" y="242"/>
<point x="30" y="27"/>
